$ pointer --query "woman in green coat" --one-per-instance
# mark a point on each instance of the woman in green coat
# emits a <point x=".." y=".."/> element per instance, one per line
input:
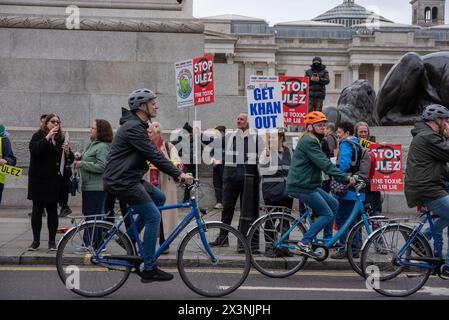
<point x="92" y="163"/>
<point x="305" y="177"/>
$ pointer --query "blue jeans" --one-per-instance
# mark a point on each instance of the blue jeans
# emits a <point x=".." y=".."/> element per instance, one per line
<point x="440" y="207"/>
<point x="150" y="218"/>
<point x="324" y="205"/>
<point x="93" y="204"/>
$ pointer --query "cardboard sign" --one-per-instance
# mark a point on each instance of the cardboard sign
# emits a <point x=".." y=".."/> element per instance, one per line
<point x="295" y="98"/>
<point x="184" y="83"/>
<point x="264" y="100"/>
<point x="388" y="175"/>
<point x="203" y="70"/>
<point x="11" y="171"/>
<point x="195" y="81"/>
<point x="366" y="143"/>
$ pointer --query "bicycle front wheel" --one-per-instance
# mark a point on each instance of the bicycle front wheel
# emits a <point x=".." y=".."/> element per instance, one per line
<point x="383" y="267"/>
<point x="76" y="266"/>
<point x="357" y="237"/>
<point x="269" y="256"/>
<point x="214" y="278"/>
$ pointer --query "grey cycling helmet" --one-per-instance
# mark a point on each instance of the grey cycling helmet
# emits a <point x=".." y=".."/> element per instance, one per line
<point x="435" y="111"/>
<point x="137" y="97"/>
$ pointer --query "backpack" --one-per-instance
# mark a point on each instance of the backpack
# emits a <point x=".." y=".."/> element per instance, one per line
<point x="360" y="160"/>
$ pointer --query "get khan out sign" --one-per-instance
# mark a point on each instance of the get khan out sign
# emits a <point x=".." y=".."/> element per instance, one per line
<point x="295" y="98"/>
<point x="195" y="81"/>
<point x="265" y="103"/>
<point x="388" y="175"/>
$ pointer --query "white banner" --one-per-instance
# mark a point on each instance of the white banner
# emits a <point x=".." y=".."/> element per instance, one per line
<point x="184" y="83"/>
<point x="264" y="98"/>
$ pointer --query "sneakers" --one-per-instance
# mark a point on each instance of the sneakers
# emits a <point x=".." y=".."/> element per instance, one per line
<point x="305" y="249"/>
<point x="220" y="242"/>
<point x="339" y="255"/>
<point x="52" y="246"/>
<point x="155" y="274"/>
<point x="34" y="246"/>
<point x="218" y="206"/>
<point x="65" y="211"/>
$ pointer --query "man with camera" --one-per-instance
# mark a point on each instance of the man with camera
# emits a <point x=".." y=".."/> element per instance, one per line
<point x="319" y="78"/>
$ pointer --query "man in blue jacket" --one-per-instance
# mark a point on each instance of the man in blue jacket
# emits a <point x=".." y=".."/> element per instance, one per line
<point x="6" y="155"/>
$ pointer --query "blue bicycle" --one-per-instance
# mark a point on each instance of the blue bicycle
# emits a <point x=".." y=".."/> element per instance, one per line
<point x="398" y="259"/>
<point x="95" y="258"/>
<point x="273" y="239"/>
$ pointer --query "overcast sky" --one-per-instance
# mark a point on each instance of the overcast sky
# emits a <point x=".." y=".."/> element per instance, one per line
<point x="275" y="11"/>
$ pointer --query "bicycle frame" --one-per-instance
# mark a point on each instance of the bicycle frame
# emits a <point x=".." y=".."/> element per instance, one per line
<point x="193" y="214"/>
<point x="412" y="238"/>
<point x="328" y="243"/>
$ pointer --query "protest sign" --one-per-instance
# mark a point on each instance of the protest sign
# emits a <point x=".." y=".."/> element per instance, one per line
<point x="11" y="171"/>
<point x="388" y="174"/>
<point x="264" y="100"/>
<point x="295" y="98"/>
<point x="195" y="81"/>
<point x="203" y="69"/>
<point x="184" y="83"/>
<point x="366" y="143"/>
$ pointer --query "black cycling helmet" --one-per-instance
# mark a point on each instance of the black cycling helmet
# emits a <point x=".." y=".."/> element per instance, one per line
<point x="137" y="97"/>
<point x="435" y="111"/>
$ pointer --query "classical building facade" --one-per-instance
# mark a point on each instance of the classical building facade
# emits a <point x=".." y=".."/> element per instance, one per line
<point x="354" y="43"/>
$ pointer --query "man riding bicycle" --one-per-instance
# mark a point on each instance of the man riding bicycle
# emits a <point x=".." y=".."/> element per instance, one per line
<point x="427" y="169"/>
<point x="306" y="174"/>
<point x="126" y="165"/>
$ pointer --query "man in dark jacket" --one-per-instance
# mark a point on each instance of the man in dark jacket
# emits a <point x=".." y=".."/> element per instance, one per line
<point x="319" y="78"/>
<point x="126" y="165"/>
<point x="427" y="168"/>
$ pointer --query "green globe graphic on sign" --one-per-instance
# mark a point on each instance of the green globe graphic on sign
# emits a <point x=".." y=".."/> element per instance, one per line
<point x="185" y="84"/>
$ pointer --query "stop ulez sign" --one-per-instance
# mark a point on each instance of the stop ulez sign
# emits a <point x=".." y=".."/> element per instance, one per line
<point x="388" y="175"/>
<point x="203" y="75"/>
<point x="295" y="99"/>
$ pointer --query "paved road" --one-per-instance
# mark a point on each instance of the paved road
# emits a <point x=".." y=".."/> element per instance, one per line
<point x="42" y="282"/>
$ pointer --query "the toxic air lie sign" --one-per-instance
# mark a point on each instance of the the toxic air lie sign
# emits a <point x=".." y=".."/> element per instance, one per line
<point x="295" y="98"/>
<point x="264" y="100"/>
<point x="195" y="81"/>
<point x="389" y="171"/>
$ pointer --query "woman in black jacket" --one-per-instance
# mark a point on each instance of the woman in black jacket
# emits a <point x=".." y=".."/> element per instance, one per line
<point x="44" y="179"/>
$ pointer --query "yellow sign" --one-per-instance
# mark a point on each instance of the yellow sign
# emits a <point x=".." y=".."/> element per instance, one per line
<point x="365" y="143"/>
<point x="176" y="163"/>
<point x="11" y="171"/>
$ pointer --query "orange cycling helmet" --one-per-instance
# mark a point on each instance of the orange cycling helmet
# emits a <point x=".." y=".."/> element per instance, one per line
<point x="314" y="117"/>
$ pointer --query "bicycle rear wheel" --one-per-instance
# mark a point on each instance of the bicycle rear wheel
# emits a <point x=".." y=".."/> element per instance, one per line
<point x="266" y="255"/>
<point x="381" y="256"/>
<point x="74" y="259"/>
<point x="219" y="278"/>
<point x="357" y="237"/>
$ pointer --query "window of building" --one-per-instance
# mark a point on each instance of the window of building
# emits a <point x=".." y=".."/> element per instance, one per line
<point x="220" y="58"/>
<point x="363" y="76"/>
<point x="259" y="73"/>
<point x="338" y="81"/>
<point x="434" y="14"/>
<point x="427" y="14"/>
<point x="281" y="73"/>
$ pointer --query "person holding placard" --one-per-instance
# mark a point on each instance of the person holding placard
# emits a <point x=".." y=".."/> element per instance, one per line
<point x="6" y="155"/>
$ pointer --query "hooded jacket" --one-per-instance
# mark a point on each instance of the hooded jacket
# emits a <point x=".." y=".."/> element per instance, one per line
<point x="318" y="89"/>
<point x="426" y="166"/>
<point x="130" y="151"/>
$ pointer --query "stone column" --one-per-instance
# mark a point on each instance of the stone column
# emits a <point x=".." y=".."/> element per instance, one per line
<point x="249" y="70"/>
<point x="230" y="58"/>
<point x="376" y="83"/>
<point x="271" y="69"/>
<point x="355" y="71"/>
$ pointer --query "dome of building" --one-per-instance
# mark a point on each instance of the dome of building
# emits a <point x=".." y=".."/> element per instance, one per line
<point x="349" y="13"/>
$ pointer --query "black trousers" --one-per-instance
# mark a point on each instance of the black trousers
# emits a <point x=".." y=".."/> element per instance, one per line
<point x="218" y="182"/>
<point x="52" y="219"/>
<point x="232" y="191"/>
